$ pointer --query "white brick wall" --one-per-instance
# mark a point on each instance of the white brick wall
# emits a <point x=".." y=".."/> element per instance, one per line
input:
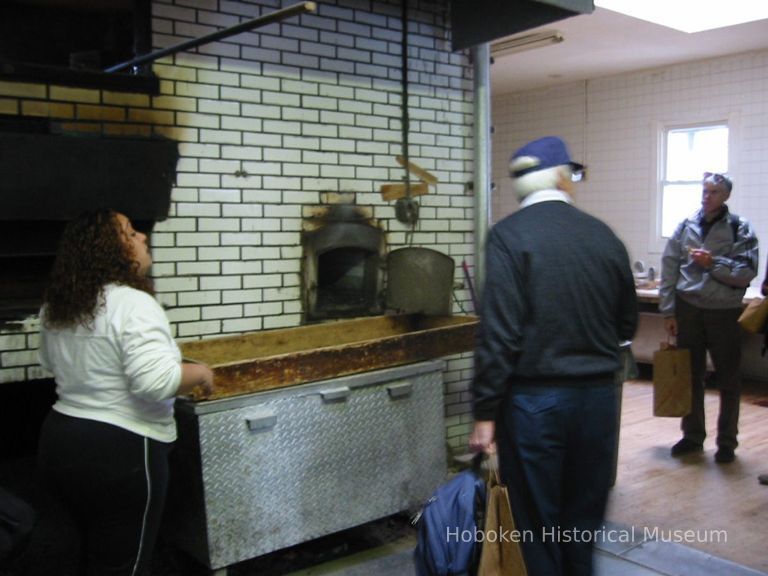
<point x="270" y="119"/>
<point x="611" y="124"/>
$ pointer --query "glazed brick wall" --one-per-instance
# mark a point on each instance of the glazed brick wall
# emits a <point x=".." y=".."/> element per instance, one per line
<point x="269" y="123"/>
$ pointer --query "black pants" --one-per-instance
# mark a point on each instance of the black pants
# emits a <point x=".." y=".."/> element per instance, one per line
<point x="717" y="332"/>
<point x="113" y="483"/>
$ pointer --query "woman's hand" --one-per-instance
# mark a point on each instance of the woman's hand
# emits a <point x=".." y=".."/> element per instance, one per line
<point x="195" y="378"/>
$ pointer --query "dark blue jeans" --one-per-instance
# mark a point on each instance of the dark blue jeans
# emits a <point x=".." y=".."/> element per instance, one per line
<point x="556" y="453"/>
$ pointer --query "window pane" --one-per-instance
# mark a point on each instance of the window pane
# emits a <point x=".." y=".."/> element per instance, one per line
<point x="678" y="202"/>
<point x="693" y="151"/>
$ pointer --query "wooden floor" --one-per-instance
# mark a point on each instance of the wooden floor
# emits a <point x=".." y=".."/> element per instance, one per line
<point x="723" y="505"/>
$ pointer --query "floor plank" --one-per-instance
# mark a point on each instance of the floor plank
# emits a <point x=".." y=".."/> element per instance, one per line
<point x="723" y="507"/>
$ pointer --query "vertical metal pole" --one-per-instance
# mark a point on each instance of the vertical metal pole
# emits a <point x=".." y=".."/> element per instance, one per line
<point x="406" y="123"/>
<point x="481" y="57"/>
<point x="142" y="32"/>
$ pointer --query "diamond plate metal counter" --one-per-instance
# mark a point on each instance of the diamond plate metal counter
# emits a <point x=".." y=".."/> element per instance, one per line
<point x="261" y="472"/>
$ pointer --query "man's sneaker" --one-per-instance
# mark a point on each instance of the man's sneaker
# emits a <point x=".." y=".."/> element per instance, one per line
<point x="724" y="455"/>
<point x="686" y="446"/>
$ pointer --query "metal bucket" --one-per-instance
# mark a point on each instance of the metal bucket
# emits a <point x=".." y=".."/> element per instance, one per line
<point x="420" y="281"/>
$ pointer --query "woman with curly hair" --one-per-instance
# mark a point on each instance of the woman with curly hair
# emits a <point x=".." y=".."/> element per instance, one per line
<point x="104" y="445"/>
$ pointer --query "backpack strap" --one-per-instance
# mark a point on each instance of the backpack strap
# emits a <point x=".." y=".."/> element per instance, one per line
<point x="734" y="221"/>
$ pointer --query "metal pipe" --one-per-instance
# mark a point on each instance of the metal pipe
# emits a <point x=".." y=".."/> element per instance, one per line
<point x="405" y="119"/>
<point x="276" y="16"/>
<point x="142" y="30"/>
<point x="481" y="57"/>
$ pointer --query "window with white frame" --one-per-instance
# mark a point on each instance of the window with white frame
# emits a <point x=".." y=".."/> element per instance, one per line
<point x="689" y="152"/>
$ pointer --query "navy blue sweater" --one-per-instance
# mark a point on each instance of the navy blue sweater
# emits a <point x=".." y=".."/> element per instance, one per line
<point x="559" y="297"/>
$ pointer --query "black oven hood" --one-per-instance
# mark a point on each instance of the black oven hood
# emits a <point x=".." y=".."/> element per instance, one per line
<point x="56" y="177"/>
<point x="46" y="180"/>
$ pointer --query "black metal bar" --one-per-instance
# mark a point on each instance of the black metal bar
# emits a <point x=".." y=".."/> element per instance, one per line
<point x="470" y="285"/>
<point x="276" y="16"/>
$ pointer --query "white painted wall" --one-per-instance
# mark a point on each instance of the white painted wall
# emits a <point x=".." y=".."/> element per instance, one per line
<point x="612" y="123"/>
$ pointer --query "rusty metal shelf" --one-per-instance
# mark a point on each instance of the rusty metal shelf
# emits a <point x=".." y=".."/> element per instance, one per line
<point x="278" y="358"/>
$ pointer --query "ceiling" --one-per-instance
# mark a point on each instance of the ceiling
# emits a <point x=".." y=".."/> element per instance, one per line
<point x="606" y="42"/>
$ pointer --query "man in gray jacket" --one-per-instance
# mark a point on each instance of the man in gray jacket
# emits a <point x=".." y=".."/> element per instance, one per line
<point x="707" y="265"/>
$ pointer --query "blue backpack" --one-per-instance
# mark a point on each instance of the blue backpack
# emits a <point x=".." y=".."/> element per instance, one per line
<point x="447" y="527"/>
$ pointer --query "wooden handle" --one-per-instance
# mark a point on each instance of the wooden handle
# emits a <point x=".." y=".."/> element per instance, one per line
<point x="418" y="170"/>
<point x="395" y="191"/>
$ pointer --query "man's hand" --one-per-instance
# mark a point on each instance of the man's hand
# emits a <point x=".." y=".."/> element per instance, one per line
<point x="670" y="326"/>
<point x="482" y="437"/>
<point x="702" y="257"/>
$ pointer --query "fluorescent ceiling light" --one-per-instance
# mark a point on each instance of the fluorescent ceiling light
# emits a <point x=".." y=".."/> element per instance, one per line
<point x="526" y="42"/>
<point x="690" y="15"/>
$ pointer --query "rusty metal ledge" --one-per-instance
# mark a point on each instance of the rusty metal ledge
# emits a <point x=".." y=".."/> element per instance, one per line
<point x="271" y="359"/>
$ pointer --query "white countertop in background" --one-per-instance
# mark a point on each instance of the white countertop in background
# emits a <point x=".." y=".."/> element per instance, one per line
<point x="652" y="294"/>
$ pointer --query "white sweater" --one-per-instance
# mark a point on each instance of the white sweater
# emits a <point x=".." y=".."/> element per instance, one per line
<point x="123" y="370"/>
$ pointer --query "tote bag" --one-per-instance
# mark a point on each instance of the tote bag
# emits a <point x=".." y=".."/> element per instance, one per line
<point x="755" y="316"/>
<point x="672" y="385"/>
<point x="501" y="554"/>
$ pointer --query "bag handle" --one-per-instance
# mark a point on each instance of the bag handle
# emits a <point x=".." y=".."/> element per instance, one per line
<point x="670" y="344"/>
<point x="487" y="465"/>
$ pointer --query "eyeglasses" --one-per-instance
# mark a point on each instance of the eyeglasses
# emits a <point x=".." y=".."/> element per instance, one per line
<point x="579" y="175"/>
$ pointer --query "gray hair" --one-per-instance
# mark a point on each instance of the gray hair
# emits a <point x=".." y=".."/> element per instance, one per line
<point x="718" y="179"/>
<point x="545" y="179"/>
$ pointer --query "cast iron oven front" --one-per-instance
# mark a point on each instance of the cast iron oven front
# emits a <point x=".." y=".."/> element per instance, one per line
<point x="343" y="268"/>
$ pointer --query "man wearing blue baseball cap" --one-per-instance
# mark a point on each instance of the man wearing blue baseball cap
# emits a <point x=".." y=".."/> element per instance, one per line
<point x="559" y="297"/>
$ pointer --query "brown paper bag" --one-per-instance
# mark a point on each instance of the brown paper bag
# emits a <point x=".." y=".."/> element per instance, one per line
<point x="672" y="385"/>
<point x="501" y="554"/>
<point x="755" y="316"/>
